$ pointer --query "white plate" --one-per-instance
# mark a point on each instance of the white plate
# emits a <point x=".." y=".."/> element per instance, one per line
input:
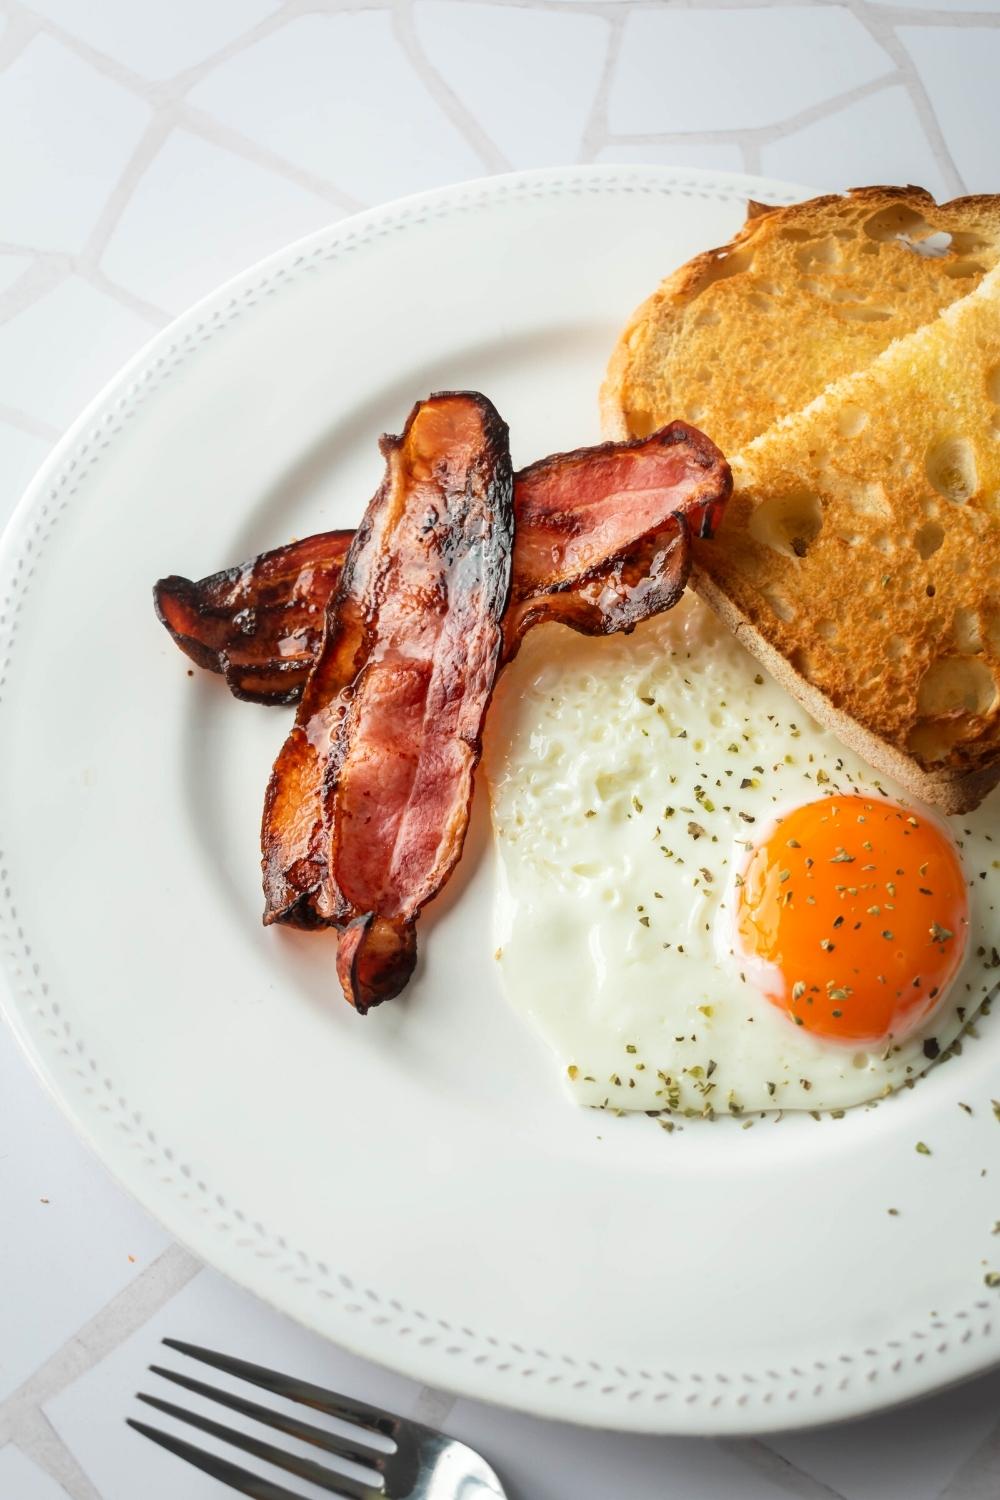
<point x="414" y="1184"/>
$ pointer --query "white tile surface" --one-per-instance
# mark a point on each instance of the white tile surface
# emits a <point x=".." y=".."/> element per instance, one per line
<point x="21" y="1480"/>
<point x="565" y="52"/>
<point x="911" y="1453"/>
<point x="75" y="131"/>
<point x="328" y="81"/>
<point x="720" y="156"/>
<point x="359" y="100"/>
<point x="213" y="1313"/>
<point x="11" y="267"/>
<point x="156" y="40"/>
<point x="939" y="5"/>
<point x="66" y="1231"/>
<point x="686" y="70"/>
<point x="199" y="215"/>
<point x="878" y="139"/>
<point x="959" y="69"/>
<point x="21" y="454"/>
<point x="59" y="352"/>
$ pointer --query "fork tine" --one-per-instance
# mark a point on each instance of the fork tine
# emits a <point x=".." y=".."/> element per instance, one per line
<point x="218" y="1468"/>
<point x="302" y="1391"/>
<point x="307" y="1432"/>
<point x="302" y="1468"/>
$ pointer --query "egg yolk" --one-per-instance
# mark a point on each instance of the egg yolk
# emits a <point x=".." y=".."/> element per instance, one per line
<point x="859" y="913"/>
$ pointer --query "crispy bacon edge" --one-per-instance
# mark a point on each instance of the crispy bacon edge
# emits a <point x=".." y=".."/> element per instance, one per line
<point x="368" y="803"/>
<point x="576" y="568"/>
<point x="605" y="538"/>
<point x="261" y="624"/>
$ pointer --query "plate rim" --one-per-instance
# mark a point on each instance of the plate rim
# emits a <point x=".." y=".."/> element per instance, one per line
<point x="705" y="1409"/>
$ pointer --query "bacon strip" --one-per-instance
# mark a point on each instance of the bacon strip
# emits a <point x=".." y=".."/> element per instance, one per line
<point x="260" y="624"/>
<point x="365" y="816"/>
<point x="367" y="807"/>
<point x="603" y="533"/>
<point x="597" y="547"/>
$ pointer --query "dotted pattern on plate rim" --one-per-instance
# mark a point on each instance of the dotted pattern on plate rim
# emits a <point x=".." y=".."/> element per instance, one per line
<point x="711" y="1390"/>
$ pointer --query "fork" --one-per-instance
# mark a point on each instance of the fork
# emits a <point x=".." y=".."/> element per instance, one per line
<point x="423" y="1464"/>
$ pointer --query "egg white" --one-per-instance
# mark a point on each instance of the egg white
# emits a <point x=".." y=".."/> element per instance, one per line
<point x="627" y="778"/>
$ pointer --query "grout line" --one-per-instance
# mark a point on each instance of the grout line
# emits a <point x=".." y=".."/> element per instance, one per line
<point x="40" y="252"/>
<point x="754" y="137"/>
<point x="903" y="15"/>
<point x="154" y="91"/>
<point x="101" y="62"/>
<point x="158" y="93"/>
<point x="49" y="269"/>
<point x="128" y="1311"/>
<point x="169" y="109"/>
<point x="783" y="1474"/>
<point x="978" y="1477"/>
<point x="183" y="82"/>
<point x="763" y="135"/>
<point x="22" y="28"/>
<point x="444" y="97"/>
<point x="752" y="154"/>
<point x="34" y="283"/>
<point x="611" y="10"/>
<point x="25" y="422"/>
<point x="39" y="1441"/>
<point x="882" y="31"/>
<point x="158" y="316"/>
<point x="211" y="129"/>
<point x="595" y="130"/>
<point x="120" y="197"/>
<point x="734" y="137"/>
<point x="759" y="134"/>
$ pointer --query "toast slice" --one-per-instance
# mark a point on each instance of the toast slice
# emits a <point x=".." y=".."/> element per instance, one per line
<point x="802" y="295"/>
<point x="859" y="558"/>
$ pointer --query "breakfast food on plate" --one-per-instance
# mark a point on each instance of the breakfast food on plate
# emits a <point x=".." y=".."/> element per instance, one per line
<point x="860" y="556"/>
<point x="803" y="295"/>
<point x="767" y="931"/>
<point x="367" y="805"/>
<point x="603" y="534"/>
<point x="602" y="542"/>
<point x="859" y="560"/>
<point x="707" y="904"/>
<point x="258" y="624"/>
<point x="368" y="802"/>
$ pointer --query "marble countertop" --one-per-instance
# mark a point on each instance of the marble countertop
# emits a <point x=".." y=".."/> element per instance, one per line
<point x="152" y="149"/>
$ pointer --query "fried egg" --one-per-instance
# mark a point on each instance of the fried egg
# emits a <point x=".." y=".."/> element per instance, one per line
<point x="705" y="902"/>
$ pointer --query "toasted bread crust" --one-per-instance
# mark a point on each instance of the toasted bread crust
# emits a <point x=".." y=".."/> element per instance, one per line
<point x="951" y="791"/>
<point x="862" y="549"/>
<point x="889" y="600"/>
<point x="802" y="295"/>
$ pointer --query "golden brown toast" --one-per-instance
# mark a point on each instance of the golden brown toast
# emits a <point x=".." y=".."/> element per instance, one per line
<point x="802" y="295"/>
<point x="859" y="558"/>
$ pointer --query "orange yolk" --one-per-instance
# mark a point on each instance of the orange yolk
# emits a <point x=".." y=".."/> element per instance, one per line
<point x="859" y="911"/>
